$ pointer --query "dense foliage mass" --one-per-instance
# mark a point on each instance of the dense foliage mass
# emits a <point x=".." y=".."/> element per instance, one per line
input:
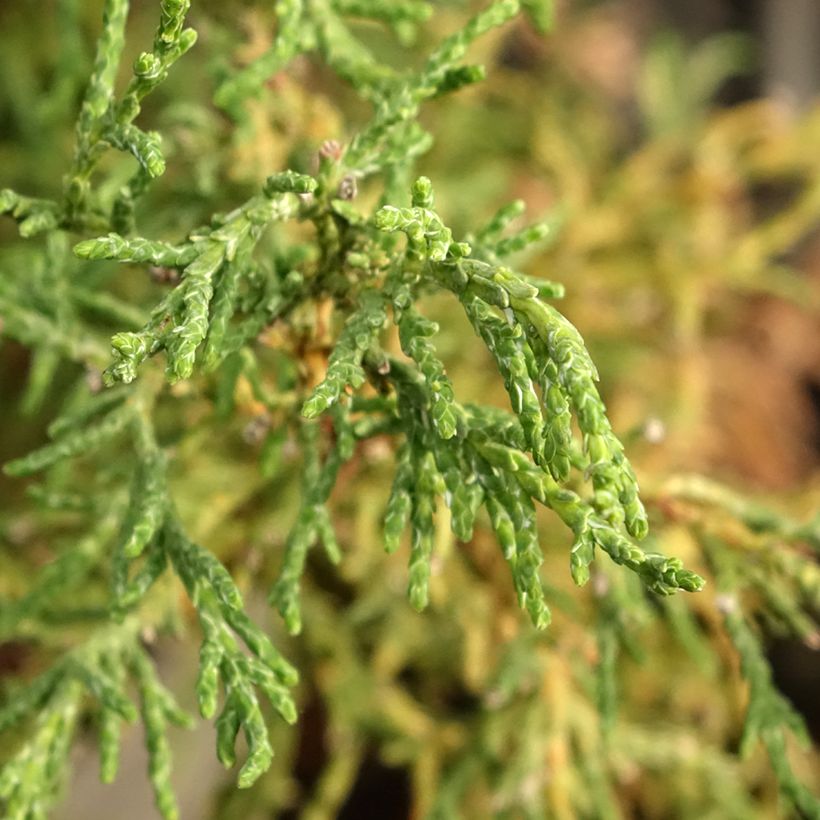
<point x="284" y="337"/>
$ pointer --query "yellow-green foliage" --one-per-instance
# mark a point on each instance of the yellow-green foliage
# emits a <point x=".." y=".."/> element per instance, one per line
<point x="249" y="327"/>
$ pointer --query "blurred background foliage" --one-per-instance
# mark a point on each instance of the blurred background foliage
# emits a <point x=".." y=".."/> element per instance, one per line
<point x="679" y="144"/>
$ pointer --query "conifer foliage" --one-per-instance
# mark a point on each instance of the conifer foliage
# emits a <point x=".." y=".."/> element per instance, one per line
<point x="341" y="282"/>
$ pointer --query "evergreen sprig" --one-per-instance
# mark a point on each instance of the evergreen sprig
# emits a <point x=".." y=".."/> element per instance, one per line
<point x="770" y="718"/>
<point x="213" y="262"/>
<point x="30" y="781"/>
<point x="222" y="618"/>
<point x="288" y="306"/>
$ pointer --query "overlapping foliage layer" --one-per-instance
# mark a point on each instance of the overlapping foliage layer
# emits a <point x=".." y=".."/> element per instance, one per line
<point x="303" y="304"/>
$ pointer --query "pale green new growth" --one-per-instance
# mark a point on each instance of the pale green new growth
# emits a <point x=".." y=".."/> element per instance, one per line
<point x="414" y="332"/>
<point x="344" y="366"/>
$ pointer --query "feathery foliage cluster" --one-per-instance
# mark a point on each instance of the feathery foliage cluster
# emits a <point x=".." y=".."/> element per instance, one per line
<point x="306" y="301"/>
